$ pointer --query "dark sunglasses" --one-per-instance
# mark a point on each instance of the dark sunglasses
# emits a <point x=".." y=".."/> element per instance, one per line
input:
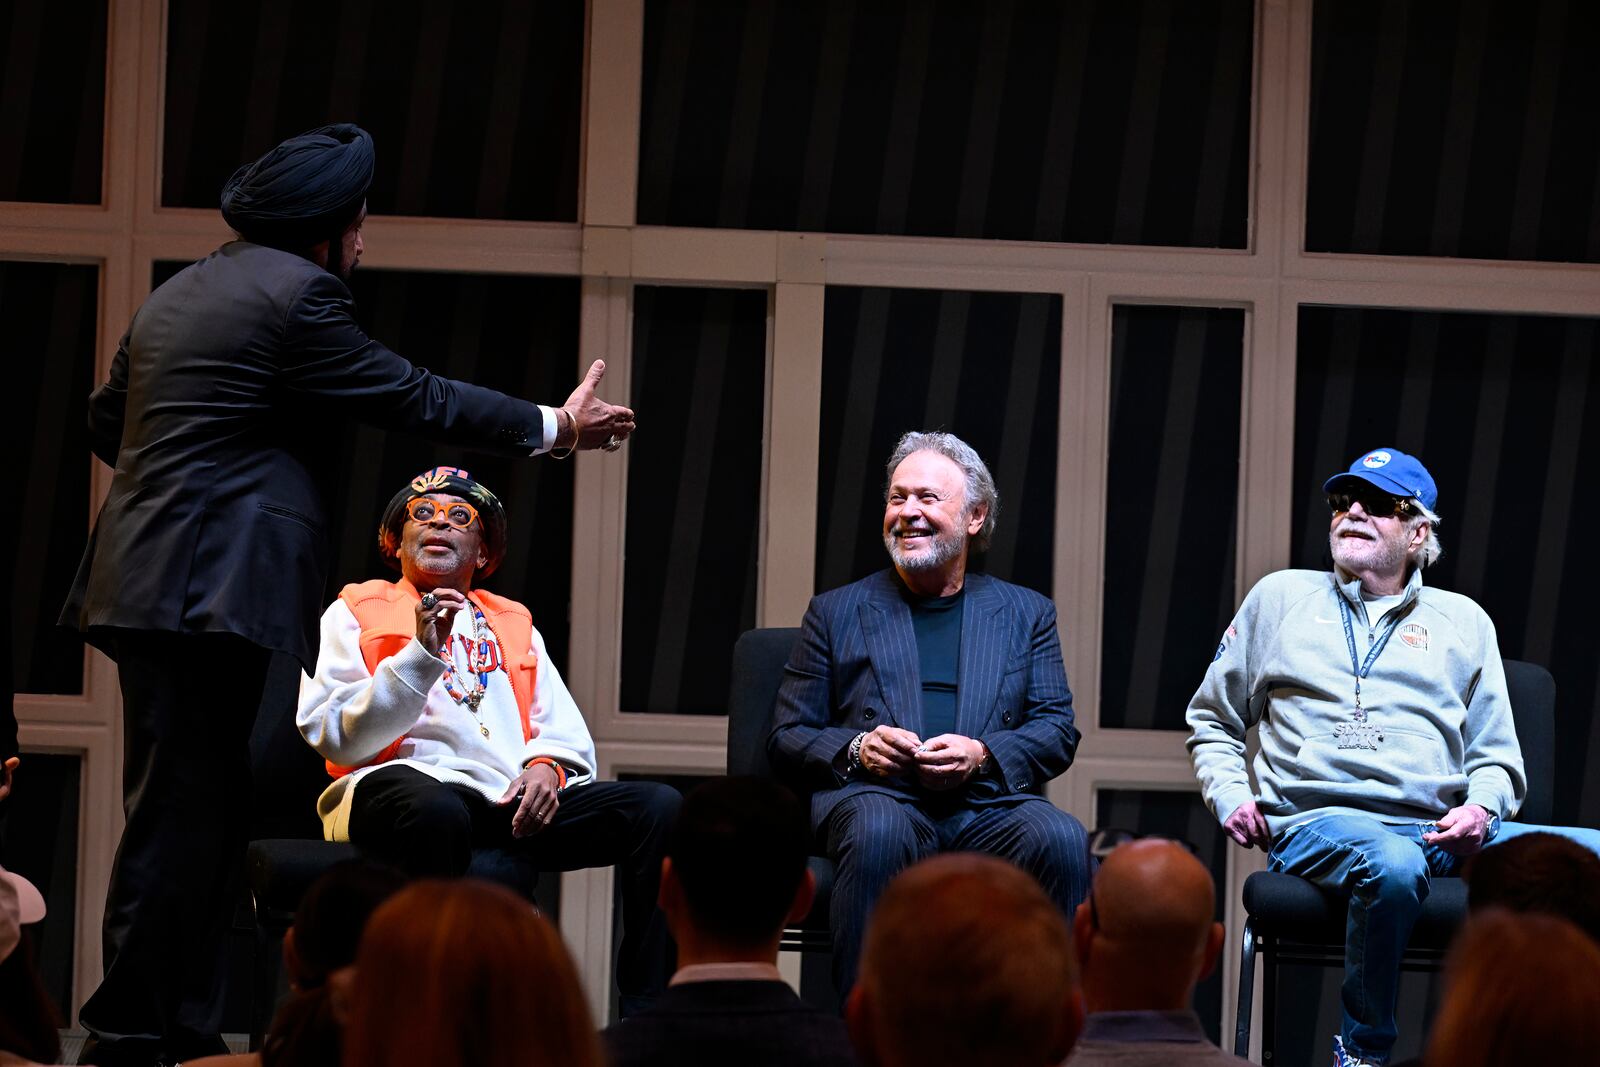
<point x="1374" y="502"/>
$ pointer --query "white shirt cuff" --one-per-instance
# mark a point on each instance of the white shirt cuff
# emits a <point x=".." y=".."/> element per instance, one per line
<point x="547" y="440"/>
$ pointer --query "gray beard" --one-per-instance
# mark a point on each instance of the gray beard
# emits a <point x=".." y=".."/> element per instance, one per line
<point x="1391" y="556"/>
<point x="945" y="549"/>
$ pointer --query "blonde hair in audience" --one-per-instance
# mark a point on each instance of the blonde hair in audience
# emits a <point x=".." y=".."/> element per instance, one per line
<point x="465" y="974"/>
<point x="1519" y="988"/>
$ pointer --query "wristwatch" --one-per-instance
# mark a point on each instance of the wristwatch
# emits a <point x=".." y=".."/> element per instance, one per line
<point x="853" y="758"/>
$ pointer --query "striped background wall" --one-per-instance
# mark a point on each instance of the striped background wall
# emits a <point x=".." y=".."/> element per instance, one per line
<point x="1455" y="128"/>
<point x="985" y="366"/>
<point x="1500" y="409"/>
<point x="1173" y="478"/>
<point x="47" y="317"/>
<point x="52" y="100"/>
<point x="474" y="107"/>
<point x="694" y="494"/>
<point x="1090" y="120"/>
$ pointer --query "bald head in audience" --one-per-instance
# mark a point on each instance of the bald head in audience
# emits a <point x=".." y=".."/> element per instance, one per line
<point x="1146" y="934"/>
<point x="966" y="962"/>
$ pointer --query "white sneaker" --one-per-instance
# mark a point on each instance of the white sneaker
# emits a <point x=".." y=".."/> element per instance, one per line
<point x="1342" y="1058"/>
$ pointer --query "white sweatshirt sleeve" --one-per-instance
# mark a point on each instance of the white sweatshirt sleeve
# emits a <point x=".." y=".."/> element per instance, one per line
<point x="347" y="714"/>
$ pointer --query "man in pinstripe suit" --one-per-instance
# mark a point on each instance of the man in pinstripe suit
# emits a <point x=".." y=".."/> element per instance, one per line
<point x="925" y="708"/>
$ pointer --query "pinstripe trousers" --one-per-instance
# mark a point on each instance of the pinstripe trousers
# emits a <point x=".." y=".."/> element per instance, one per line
<point x="874" y="836"/>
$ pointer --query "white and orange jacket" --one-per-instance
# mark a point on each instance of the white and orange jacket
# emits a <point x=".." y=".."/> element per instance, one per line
<point x="378" y="699"/>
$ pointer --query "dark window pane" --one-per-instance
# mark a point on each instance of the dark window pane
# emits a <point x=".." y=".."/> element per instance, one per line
<point x="514" y="334"/>
<point x="694" y="494"/>
<point x="474" y="107"/>
<point x="1180" y="816"/>
<point x="47" y="315"/>
<point x="1501" y="409"/>
<point x="1446" y="129"/>
<point x="1093" y="121"/>
<point x="1173" y="484"/>
<point x="52" y="100"/>
<point x="984" y="366"/>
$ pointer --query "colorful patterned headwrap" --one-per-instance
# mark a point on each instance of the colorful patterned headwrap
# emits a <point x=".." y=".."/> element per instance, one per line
<point x="452" y="481"/>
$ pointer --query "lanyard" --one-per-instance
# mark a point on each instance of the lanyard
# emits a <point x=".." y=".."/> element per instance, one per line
<point x="1361" y="668"/>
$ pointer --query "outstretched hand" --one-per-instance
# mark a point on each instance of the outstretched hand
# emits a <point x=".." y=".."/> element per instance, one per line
<point x="597" y="424"/>
<point x="7" y="769"/>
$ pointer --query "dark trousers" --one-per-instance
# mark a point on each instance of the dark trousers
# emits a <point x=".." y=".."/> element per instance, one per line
<point x="426" y="827"/>
<point x="873" y="836"/>
<point x="188" y="704"/>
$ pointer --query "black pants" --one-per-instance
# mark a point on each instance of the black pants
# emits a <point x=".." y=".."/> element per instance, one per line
<point x="425" y="827"/>
<point x="188" y="704"/>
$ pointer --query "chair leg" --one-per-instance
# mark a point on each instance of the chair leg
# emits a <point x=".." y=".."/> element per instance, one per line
<point x="269" y="956"/>
<point x="1269" y="1001"/>
<point x="1247" y="992"/>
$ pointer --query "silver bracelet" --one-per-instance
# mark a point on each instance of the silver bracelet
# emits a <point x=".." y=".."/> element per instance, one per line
<point x="853" y="760"/>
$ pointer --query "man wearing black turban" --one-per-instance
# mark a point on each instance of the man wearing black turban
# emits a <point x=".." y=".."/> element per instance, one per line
<point x="211" y="550"/>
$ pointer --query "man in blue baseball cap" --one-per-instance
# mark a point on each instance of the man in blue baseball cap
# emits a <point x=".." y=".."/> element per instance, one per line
<point x="1387" y="748"/>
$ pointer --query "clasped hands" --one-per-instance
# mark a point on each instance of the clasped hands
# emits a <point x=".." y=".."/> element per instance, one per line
<point x="939" y="763"/>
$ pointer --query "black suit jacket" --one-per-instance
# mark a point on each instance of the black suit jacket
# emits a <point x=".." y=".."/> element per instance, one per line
<point x="855" y="668"/>
<point x="706" y="1024"/>
<point x="214" y="416"/>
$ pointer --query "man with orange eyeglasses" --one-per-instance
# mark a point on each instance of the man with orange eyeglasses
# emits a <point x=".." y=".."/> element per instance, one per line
<point x="446" y="726"/>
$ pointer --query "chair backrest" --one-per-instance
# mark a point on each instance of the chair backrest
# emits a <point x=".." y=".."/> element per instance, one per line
<point x="1533" y="706"/>
<point x="758" y="659"/>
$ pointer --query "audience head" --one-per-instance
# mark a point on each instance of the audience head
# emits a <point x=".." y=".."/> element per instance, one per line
<point x="736" y="869"/>
<point x="1519" y="988"/>
<point x="465" y="974"/>
<point x="333" y="913"/>
<point x="967" y="962"/>
<point x="1146" y="934"/>
<point x="319" y="954"/>
<point x="28" y="1022"/>
<point x="1538" y="872"/>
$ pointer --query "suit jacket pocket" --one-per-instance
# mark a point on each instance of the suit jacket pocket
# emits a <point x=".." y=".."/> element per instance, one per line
<point x="287" y="513"/>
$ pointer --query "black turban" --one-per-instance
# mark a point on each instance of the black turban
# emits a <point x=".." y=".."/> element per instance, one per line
<point x="308" y="189"/>
<point x="455" y="482"/>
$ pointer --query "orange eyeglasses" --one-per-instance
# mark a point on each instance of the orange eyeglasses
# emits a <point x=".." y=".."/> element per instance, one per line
<point x="457" y="513"/>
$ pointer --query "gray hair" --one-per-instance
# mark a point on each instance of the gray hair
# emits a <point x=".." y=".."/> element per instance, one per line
<point x="1430" y="551"/>
<point x="979" y="483"/>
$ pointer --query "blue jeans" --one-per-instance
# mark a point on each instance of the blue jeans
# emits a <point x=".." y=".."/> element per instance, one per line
<point x="1384" y="869"/>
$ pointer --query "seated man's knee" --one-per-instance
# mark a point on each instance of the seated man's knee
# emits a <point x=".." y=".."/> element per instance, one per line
<point x="1395" y="868"/>
<point x="429" y="832"/>
<point x="874" y="829"/>
<point x="660" y="803"/>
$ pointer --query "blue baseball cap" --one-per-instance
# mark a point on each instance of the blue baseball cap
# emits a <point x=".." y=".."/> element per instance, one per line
<point x="1392" y="471"/>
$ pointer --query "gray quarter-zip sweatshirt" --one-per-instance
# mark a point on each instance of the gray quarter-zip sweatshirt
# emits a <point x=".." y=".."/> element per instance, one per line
<point x="1437" y="693"/>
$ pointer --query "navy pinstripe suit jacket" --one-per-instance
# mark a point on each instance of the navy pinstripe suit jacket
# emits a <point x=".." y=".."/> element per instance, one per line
<point x="855" y="668"/>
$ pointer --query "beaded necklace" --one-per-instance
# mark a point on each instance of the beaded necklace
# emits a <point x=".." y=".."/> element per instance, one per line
<point x="481" y="662"/>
